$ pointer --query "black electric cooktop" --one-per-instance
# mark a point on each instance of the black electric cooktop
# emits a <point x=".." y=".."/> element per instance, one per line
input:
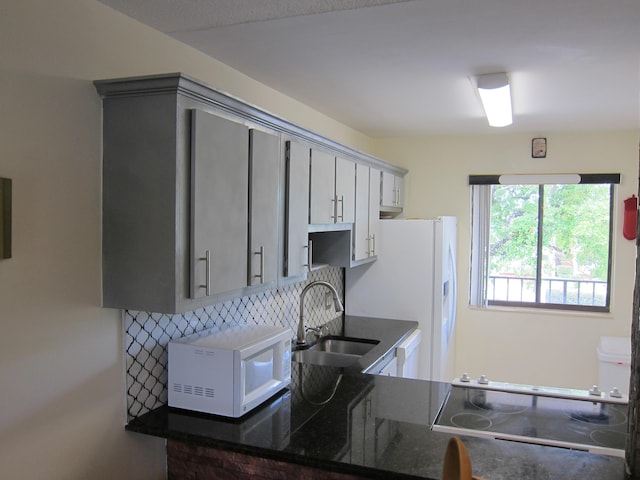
<point x="594" y="426"/>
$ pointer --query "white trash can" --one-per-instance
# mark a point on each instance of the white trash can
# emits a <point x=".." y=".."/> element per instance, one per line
<point x="614" y="354"/>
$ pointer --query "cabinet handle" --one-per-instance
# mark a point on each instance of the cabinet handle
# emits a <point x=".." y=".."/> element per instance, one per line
<point x="368" y="251"/>
<point x="261" y="274"/>
<point x="341" y="200"/>
<point x="334" y="208"/>
<point x="373" y="241"/>
<point x="309" y="247"/>
<point x="207" y="272"/>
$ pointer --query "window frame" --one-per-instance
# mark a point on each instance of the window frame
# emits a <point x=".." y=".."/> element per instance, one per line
<point x="480" y="228"/>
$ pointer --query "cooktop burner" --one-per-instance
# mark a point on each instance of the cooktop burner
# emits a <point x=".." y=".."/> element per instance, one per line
<point x="471" y="420"/>
<point x="595" y="426"/>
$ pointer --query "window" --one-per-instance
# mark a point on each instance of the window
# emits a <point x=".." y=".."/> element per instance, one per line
<point x="542" y="241"/>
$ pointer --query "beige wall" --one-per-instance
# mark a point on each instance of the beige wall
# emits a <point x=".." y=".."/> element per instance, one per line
<point x="62" y="397"/>
<point x="539" y="347"/>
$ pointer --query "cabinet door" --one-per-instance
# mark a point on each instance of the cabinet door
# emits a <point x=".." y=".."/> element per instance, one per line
<point x="389" y="198"/>
<point x="322" y="194"/>
<point x="219" y="204"/>
<point x="367" y="212"/>
<point x="374" y="210"/>
<point x="297" y="210"/>
<point x="264" y="160"/>
<point x="361" y="224"/>
<point x="399" y="186"/>
<point x="345" y="190"/>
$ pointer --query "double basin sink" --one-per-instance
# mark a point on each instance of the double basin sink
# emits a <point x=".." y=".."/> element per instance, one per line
<point x="335" y="351"/>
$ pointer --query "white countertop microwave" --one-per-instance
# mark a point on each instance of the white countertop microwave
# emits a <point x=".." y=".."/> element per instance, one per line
<point x="229" y="371"/>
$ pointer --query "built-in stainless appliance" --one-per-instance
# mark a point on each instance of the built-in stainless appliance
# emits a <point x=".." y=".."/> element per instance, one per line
<point x="230" y="371"/>
<point x="588" y="420"/>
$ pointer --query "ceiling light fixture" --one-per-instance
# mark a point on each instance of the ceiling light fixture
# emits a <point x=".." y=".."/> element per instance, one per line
<point x="495" y="94"/>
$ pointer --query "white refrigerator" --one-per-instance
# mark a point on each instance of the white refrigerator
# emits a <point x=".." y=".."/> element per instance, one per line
<point x="414" y="278"/>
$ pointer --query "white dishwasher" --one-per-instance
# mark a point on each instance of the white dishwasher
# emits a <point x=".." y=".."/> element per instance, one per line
<point x="408" y="354"/>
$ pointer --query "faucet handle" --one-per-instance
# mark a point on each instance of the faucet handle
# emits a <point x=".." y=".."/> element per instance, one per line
<point x="317" y="331"/>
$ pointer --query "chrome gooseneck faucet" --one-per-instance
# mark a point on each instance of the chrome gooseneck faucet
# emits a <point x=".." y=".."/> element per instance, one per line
<point x="301" y="340"/>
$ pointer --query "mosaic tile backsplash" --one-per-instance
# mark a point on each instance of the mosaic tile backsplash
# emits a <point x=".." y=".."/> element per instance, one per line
<point x="147" y="334"/>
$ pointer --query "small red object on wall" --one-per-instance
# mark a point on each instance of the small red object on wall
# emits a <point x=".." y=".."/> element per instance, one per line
<point x="630" y="226"/>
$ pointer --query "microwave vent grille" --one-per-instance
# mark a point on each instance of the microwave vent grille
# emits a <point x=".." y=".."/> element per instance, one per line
<point x="206" y="353"/>
<point x="197" y="390"/>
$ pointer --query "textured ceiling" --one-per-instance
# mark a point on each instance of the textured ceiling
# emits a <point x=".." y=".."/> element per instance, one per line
<point x="188" y="15"/>
<point x="403" y="67"/>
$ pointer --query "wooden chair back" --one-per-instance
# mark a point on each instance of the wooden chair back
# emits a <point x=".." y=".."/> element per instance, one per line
<point x="457" y="464"/>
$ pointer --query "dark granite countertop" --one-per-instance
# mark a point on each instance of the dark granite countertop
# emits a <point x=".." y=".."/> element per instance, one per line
<point x="374" y="426"/>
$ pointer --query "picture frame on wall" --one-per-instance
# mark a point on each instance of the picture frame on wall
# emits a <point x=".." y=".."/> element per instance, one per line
<point x="5" y="218"/>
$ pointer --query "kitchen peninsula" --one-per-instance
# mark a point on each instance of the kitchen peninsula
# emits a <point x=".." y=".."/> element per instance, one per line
<point x="337" y="423"/>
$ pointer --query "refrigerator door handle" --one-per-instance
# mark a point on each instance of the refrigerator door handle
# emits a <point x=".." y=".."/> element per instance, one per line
<point x="454" y="289"/>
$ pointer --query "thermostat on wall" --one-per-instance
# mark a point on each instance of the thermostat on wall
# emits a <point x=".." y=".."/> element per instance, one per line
<point x="539" y="147"/>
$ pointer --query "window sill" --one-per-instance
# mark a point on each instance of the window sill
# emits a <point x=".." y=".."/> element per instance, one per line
<point x="542" y="311"/>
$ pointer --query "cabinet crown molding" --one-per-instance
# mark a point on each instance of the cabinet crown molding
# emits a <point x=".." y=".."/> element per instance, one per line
<point x="178" y="82"/>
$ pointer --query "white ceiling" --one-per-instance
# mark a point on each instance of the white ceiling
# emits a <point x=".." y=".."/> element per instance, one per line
<point x="402" y="67"/>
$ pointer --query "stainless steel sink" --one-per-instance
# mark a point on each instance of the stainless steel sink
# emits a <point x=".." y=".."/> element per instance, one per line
<point x="335" y="351"/>
<point x="344" y="345"/>
<point x="327" y="359"/>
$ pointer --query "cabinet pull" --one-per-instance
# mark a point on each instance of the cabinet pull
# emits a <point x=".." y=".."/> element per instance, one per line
<point x="261" y="274"/>
<point x="341" y="200"/>
<point x="334" y="208"/>
<point x="207" y="272"/>
<point x="373" y="241"/>
<point x="309" y="247"/>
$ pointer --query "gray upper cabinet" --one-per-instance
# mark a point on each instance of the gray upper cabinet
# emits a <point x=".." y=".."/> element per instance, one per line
<point x="179" y="173"/>
<point x="392" y="191"/>
<point x="374" y="210"/>
<point x="332" y="195"/>
<point x="345" y="190"/>
<point x="358" y="244"/>
<point x="367" y="213"/>
<point x="265" y="207"/>
<point x="297" y="254"/>
<point x="206" y="198"/>
<point x="145" y="202"/>
<point x="219" y="204"/>
<point x="322" y="194"/>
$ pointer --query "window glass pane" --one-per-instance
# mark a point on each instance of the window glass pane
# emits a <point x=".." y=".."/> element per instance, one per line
<point x="513" y="241"/>
<point x="575" y="244"/>
<point x="543" y="246"/>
